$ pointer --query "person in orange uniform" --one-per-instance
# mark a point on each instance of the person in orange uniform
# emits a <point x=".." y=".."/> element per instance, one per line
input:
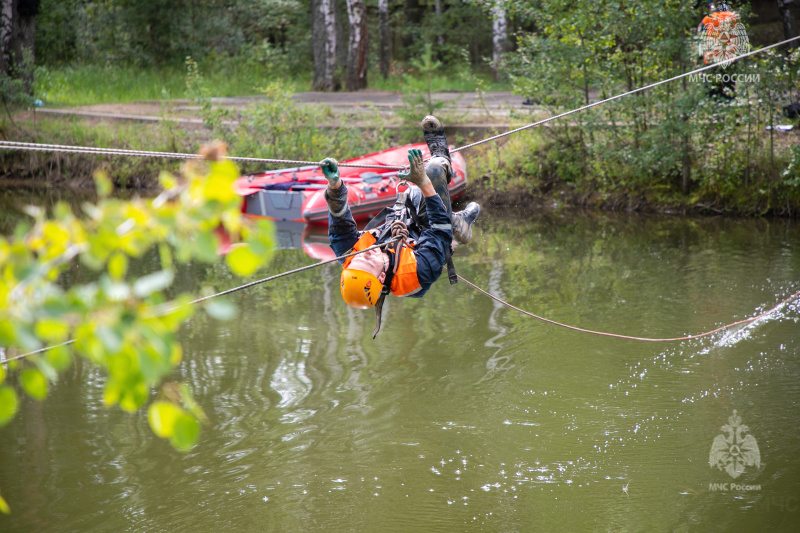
<point x="720" y="40"/>
<point x="406" y="271"/>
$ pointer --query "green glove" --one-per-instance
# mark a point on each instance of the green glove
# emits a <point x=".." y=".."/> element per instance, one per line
<point x="416" y="174"/>
<point x="331" y="170"/>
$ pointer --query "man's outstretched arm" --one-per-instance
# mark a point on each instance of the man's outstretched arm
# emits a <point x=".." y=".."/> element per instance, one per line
<point x="342" y="231"/>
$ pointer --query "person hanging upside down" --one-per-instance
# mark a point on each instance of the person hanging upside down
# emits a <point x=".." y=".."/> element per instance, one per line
<point x="406" y="271"/>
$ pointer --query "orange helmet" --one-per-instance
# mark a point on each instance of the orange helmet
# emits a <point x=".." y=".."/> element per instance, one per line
<point x="360" y="289"/>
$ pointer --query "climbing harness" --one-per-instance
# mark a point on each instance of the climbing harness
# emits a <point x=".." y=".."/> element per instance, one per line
<point x="404" y="228"/>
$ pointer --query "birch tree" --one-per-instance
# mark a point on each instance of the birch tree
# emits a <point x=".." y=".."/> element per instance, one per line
<point x="356" y="76"/>
<point x="499" y="36"/>
<point x="324" y="45"/>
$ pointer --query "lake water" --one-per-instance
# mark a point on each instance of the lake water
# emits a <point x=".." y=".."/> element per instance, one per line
<point x="462" y="415"/>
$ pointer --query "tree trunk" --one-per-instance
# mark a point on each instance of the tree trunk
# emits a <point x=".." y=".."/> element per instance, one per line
<point x="356" y="76"/>
<point x="6" y="23"/>
<point x="499" y="36"/>
<point x="323" y="28"/>
<point x="439" y="23"/>
<point x="383" y="32"/>
<point x="17" y="25"/>
<point x="317" y="46"/>
<point x="787" y="19"/>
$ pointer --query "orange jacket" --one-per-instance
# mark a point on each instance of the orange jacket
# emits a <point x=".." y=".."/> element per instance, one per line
<point x="713" y="25"/>
<point x="713" y="21"/>
<point x="404" y="282"/>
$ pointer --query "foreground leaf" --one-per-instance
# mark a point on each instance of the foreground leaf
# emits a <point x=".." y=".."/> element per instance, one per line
<point x="8" y="404"/>
<point x="34" y="383"/>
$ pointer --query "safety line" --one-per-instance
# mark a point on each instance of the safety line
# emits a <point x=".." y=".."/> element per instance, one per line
<point x="599" y="102"/>
<point x="617" y="336"/>
<point x="34" y="147"/>
<point x="223" y="293"/>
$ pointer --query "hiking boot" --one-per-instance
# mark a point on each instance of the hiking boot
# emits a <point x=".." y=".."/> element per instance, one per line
<point x="463" y="221"/>
<point x="433" y="131"/>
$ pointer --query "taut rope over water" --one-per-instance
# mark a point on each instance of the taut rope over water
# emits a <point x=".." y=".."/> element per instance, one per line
<point x="229" y="291"/>
<point x="617" y="336"/>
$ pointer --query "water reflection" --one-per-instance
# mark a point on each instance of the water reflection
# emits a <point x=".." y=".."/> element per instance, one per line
<point x="462" y="414"/>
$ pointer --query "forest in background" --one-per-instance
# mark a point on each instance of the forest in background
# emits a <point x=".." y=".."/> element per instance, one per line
<point x="679" y="144"/>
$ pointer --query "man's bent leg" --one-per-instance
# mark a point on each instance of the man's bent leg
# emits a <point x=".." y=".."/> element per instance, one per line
<point x="463" y="221"/>
<point x="437" y="170"/>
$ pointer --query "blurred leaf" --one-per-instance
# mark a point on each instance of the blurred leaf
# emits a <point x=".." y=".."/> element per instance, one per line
<point x="133" y="397"/>
<point x="27" y="340"/>
<point x="112" y="392"/>
<point x="8" y="404"/>
<point x="151" y="283"/>
<point x="206" y="247"/>
<point x="242" y="261"/>
<point x="59" y="358"/>
<point x="118" y="266"/>
<point x="116" y="291"/>
<point x="2" y="374"/>
<point x="6" y="332"/>
<point x="111" y="339"/>
<point x="166" y="257"/>
<point x="177" y="354"/>
<point x="186" y="432"/>
<point x="52" y="330"/>
<point x="190" y="404"/>
<point x="162" y="417"/>
<point x="221" y="309"/>
<point x="103" y="184"/>
<point x="4" y="508"/>
<point x="34" y="383"/>
<point x="45" y="368"/>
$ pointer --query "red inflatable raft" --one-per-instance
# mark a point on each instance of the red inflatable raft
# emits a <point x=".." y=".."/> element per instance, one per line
<point x="296" y="194"/>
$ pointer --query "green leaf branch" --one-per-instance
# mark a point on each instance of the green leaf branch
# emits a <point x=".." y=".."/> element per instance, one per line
<point x="123" y="324"/>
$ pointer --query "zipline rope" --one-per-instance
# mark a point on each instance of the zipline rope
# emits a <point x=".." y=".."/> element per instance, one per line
<point x="616" y="97"/>
<point x="617" y="336"/>
<point x="229" y="291"/>
<point x="34" y="147"/>
<point x="141" y="153"/>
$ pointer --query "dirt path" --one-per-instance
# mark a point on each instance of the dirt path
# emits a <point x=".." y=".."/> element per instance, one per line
<point x="467" y="109"/>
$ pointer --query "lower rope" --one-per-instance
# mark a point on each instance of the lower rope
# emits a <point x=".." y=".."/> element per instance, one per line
<point x="223" y="293"/>
<point x="628" y="337"/>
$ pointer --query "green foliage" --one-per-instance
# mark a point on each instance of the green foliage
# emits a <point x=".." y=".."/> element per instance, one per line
<point x="144" y="32"/>
<point x="125" y="325"/>
<point x="676" y="138"/>
<point x="276" y="127"/>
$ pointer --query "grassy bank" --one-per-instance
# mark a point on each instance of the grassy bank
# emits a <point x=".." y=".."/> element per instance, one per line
<point x="719" y="160"/>
<point x="91" y="84"/>
<point x="536" y="168"/>
<point x="275" y="128"/>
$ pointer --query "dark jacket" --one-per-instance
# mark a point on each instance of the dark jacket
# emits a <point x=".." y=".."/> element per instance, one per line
<point x="431" y="248"/>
